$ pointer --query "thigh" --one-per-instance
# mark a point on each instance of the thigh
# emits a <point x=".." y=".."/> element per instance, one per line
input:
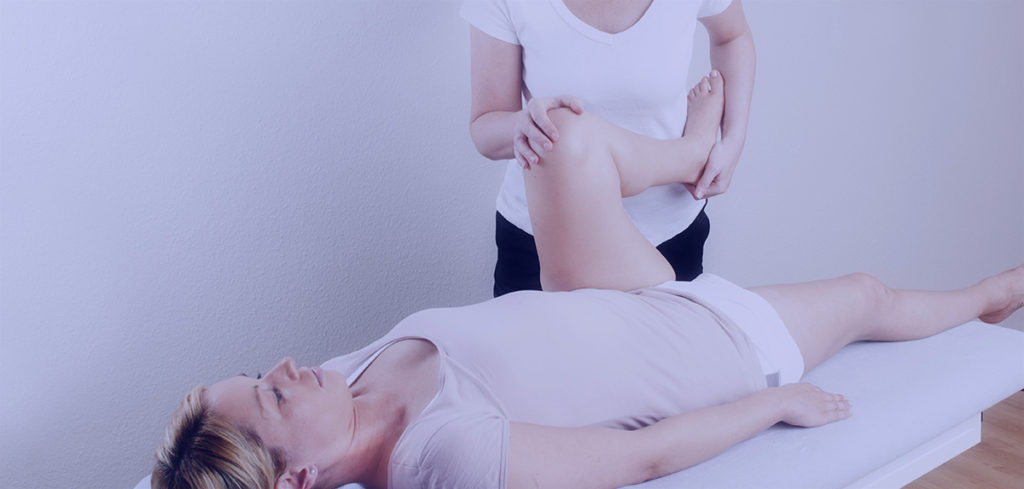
<point x="584" y="236"/>
<point x="822" y="316"/>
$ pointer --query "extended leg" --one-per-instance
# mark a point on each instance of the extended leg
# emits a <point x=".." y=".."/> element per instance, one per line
<point x="826" y="315"/>
<point x="584" y="237"/>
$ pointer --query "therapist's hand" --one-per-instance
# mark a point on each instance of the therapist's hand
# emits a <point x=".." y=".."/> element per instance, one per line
<point x="718" y="171"/>
<point x="534" y="131"/>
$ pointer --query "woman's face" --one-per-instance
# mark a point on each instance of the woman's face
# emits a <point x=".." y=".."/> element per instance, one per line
<point x="306" y="412"/>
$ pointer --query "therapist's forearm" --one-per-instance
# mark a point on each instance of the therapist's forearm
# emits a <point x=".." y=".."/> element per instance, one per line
<point x="737" y="61"/>
<point x="492" y="134"/>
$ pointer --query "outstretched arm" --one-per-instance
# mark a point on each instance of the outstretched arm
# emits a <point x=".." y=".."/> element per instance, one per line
<point x="546" y="457"/>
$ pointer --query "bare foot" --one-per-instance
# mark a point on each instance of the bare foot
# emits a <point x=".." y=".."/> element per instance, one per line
<point x="706" y="102"/>
<point x="1011" y="283"/>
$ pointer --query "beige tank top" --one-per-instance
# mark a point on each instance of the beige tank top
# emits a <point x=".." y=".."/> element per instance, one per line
<point x="581" y="358"/>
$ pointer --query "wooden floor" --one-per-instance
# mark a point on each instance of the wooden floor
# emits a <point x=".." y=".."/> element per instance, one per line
<point x="995" y="463"/>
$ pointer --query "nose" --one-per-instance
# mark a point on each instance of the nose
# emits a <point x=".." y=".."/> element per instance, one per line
<point x="286" y="367"/>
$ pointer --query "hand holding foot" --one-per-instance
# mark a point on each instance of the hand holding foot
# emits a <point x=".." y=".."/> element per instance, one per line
<point x="703" y="118"/>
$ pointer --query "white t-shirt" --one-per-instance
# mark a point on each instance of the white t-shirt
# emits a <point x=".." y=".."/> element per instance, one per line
<point x="636" y="79"/>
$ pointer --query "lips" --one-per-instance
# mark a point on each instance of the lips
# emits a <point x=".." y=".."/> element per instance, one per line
<point x="318" y="374"/>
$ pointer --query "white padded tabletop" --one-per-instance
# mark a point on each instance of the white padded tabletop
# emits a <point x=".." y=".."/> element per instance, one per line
<point x="903" y="394"/>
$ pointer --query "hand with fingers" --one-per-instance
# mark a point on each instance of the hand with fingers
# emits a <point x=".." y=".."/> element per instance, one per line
<point x="718" y="171"/>
<point x="534" y="131"/>
<point x="807" y="405"/>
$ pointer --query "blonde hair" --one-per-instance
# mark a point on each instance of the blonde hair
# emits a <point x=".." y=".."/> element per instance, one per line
<point x="200" y="450"/>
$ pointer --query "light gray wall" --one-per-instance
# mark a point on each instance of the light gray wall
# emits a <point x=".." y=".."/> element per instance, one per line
<point x="192" y="190"/>
<point x="885" y="137"/>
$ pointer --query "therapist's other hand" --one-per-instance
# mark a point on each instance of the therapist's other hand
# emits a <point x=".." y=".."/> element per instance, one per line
<point x="534" y="131"/>
<point x="807" y="405"/>
<point x="718" y="171"/>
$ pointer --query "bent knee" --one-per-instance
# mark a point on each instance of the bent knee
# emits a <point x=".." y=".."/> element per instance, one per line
<point x="576" y="137"/>
<point x="568" y="122"/>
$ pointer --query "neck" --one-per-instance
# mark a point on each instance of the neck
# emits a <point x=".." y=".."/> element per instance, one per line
<point x="378" y="422"/>
<point x="390" y="393"/>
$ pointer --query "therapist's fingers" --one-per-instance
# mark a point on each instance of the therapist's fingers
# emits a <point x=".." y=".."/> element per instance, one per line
<point x="538" y="109"/>
<point x="573" y="103"/>
<point x="535" y="132"/>
<point x="538" y="141"/>
<point x="529" y="139"/>
<point x="692" y="188"/>
<point x="706" y="186"/>
<point x="539" y="117"/>
<point x="524" y="155"/>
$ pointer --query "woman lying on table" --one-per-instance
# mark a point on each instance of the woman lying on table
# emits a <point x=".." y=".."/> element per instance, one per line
<point x="586" y="388"/>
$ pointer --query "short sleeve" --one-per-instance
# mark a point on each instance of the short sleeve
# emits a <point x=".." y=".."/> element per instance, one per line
<point x="709" y="8"/>
<point x="492" y="17"/>
<point x="469" y="452"/>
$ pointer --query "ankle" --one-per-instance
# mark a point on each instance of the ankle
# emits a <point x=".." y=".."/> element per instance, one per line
<point x="693" y="156"/>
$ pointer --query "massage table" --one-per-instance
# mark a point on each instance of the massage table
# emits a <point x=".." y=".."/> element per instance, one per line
<point x="916" y="404"/>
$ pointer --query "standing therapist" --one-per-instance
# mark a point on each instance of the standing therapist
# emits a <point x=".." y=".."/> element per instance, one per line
<point x="624" y="60"/>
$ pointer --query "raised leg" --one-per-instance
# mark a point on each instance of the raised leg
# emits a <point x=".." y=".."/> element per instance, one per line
<point x="826" y="315"/>
<point x="584" y="237"/>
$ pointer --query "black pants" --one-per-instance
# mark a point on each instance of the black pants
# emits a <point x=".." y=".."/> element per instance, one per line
<point x="518" y="267"/>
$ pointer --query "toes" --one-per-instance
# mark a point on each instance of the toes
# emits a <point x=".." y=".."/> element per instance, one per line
<point x="716" y="82"/>
<point x="705" y="85"/>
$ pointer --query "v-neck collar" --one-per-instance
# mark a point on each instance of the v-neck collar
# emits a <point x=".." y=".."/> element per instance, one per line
<point x="593" y="32"/>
